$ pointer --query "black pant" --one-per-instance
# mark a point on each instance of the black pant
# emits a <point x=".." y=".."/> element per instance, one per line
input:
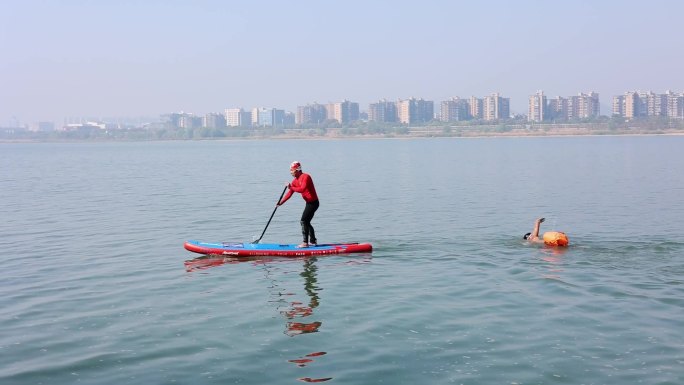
<point x="307" y="230"/>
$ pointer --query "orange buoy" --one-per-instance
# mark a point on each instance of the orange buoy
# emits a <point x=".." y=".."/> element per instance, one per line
<point x="556" y="238"/>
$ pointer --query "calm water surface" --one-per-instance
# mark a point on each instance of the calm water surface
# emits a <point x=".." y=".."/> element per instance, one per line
<point x="95" y="290"/>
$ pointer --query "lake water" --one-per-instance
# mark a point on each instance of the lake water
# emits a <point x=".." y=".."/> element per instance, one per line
<point x="95" y="290"/>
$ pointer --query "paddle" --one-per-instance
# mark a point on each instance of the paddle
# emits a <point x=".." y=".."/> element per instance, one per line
<point x="272" y="214"/>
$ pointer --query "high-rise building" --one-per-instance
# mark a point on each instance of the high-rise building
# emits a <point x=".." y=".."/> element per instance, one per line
<point x="344" y="112"/>
<point x="289" y="119"/>
<point x="675" y="105"/>
<point x="311" y="114"/>
<point x="587" y="105"/>
<point x="573" y="107"/>
<point x="643" y="103"/>
<point x="383" y="111"/>
<point x="182" y="120"/>
<point x="412" y="111"/>
<point x="279" y="118"/>
<point x="476" y="107"/>
<point x="656" y="104"/>
<point x="537" y="107"/>
<point x="557" y="108"/>
<point x="186" y="120"/>
<point x="632" y="105"/>
<point x="580" y="106"/>
<point x="454" y="110"/>
<point x="638" y="104"/>
<point x="619" y="105"/>
<point x="496" y="107"/>
<point x="267" y="117"/>
<point x="426" y="110"/>
<point x="214" y="120"/>
<point x="404" y="111"/>
<point x="237" y="117"/>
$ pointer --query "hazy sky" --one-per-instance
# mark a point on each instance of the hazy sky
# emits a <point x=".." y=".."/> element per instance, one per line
<point x="147" y="57"/>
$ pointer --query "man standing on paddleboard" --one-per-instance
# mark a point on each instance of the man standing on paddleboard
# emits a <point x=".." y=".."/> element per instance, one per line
<point x="303" y="184"/>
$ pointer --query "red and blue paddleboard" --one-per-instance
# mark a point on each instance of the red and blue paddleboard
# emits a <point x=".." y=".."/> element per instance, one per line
<point x="237" y="249"/>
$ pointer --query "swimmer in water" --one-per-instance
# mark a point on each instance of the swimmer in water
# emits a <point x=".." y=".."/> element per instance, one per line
<point x="550" y="238"/>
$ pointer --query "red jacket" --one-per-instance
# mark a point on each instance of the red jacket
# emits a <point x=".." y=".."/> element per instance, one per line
<point x="302" y="184"/>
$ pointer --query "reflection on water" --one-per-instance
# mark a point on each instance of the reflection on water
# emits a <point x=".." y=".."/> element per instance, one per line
<point x="309" y="379"/>
<point x="206" y="262"/>
<point x="297" y="328"/>
<point x="553" y="256"/>
<point x="302" y="362"/>
<point x="213" y="260"/>
<point x="301" y="311"/>
<point x="295" y="311"/>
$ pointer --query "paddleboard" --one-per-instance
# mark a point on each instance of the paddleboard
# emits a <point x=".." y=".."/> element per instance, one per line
<point x="238" y="249"/>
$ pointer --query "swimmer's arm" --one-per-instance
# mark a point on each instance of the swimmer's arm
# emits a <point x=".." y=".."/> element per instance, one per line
<point x="534" y="237"/>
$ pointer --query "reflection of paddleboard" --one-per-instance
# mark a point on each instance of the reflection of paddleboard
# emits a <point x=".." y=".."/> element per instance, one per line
<point x="274" y="249"/>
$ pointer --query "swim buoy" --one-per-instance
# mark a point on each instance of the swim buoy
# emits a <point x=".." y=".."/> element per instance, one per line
<point x="555" y="238"/>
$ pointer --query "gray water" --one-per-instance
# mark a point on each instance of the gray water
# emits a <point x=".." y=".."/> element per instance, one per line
<point x="95" y="290"/>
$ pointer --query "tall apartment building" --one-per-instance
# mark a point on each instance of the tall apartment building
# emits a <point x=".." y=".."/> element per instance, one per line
<point x="580" y="106"/>
<point x="262" y="117"/>
<point x="496" y="107"/>
<point x="454" y="110"/>
<point x="383" y="111"/>
<point x="557" y="108"/>
<point x="189" y="121"/>
<point x="279" y="118"/>
<point x="675" y="105"/>
<point x="268" y="117"/>
<point x="573" y="107"/>
<point x="592" y="105"/>
<point x="656" y="104"/>
<point x="476" y="107"/>
<point x="214" y="120"/>
<point x="311" y="114"/>
<point x="632" y="105"/>
<point x="183" y="120"/>
<point x="584" y="106"/>
<point x="644" y="98"/>
<point x="638" y="104"/>
<point x="289" y="120"/>
<point x="537" y="107"/>
<point x="404" y="111"/>
<point x="618" y="105"/>
<point x="344" y="112"/>
<point x="412" y="111"/>
<point x="635" y="104"/>
<point x="237" y="117"/>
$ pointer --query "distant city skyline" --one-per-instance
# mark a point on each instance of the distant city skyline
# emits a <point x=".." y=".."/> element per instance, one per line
<point x="76" y="58"/>
<point x="493" y="107"/>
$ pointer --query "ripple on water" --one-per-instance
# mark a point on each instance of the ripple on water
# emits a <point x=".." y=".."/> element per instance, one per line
<point x="94" y="288"/>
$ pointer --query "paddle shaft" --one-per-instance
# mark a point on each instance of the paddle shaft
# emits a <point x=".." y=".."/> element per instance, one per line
<point x="272" y="214"/>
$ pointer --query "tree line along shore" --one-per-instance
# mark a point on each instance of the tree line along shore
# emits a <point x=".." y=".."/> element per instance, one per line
<point x="359" y="130"/>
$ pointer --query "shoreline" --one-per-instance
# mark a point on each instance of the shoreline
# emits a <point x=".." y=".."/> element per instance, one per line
<point x="336" y="134"/>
